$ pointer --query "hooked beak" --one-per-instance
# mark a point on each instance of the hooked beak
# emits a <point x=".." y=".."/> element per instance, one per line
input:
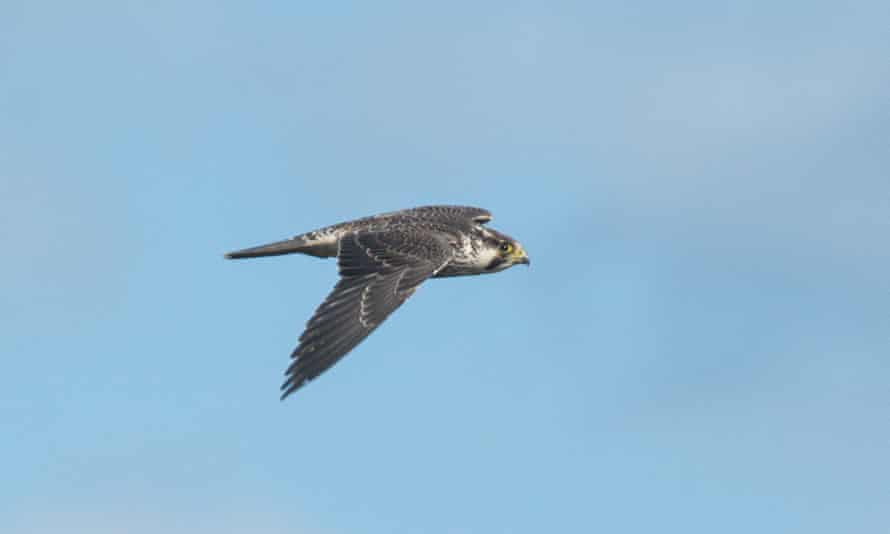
<point x="522" y="257"/>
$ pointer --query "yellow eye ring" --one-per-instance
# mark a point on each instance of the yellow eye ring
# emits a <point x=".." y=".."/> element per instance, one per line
<point x="506" y="247"/>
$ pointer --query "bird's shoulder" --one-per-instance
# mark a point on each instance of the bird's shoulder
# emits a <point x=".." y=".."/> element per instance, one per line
<point x="445" y="214"/>
<point x="451" y="213"/>
<point x="398" y="245"/>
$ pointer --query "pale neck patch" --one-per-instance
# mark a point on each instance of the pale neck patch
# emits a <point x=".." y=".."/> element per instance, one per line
<point x="485" y="256"/>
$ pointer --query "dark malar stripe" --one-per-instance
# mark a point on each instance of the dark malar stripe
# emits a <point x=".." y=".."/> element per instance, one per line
<point x="494" y="263"/>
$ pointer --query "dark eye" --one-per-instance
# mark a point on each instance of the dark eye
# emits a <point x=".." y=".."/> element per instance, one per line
<point x="505" y="247"/>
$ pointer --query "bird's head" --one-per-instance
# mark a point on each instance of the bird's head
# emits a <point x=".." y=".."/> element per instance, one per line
<point x="503" y="251"/>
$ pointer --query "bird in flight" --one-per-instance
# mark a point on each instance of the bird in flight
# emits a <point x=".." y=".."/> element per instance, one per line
<point x="382" y="259"/>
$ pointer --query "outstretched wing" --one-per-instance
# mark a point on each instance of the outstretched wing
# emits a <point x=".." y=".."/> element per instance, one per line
<point x="379" y="271"/>
<point x="455" y="213"/>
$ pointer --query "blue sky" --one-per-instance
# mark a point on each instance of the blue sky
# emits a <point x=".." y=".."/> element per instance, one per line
<point x="701" y="345"/>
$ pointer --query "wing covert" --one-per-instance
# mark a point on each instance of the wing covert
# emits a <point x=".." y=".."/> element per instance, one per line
<point x="379" y="271"/>
<point x="461" y="213"/>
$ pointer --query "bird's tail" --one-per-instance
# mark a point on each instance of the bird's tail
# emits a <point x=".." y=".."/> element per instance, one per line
<point x="319" y="243"/>
<point x="288" y="246"/>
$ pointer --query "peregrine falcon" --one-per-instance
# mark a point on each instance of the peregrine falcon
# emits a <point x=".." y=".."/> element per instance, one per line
<point x="382" y="259"/>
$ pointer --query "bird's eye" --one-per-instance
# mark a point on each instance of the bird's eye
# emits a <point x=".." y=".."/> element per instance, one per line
<point x="506" y="247"/>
